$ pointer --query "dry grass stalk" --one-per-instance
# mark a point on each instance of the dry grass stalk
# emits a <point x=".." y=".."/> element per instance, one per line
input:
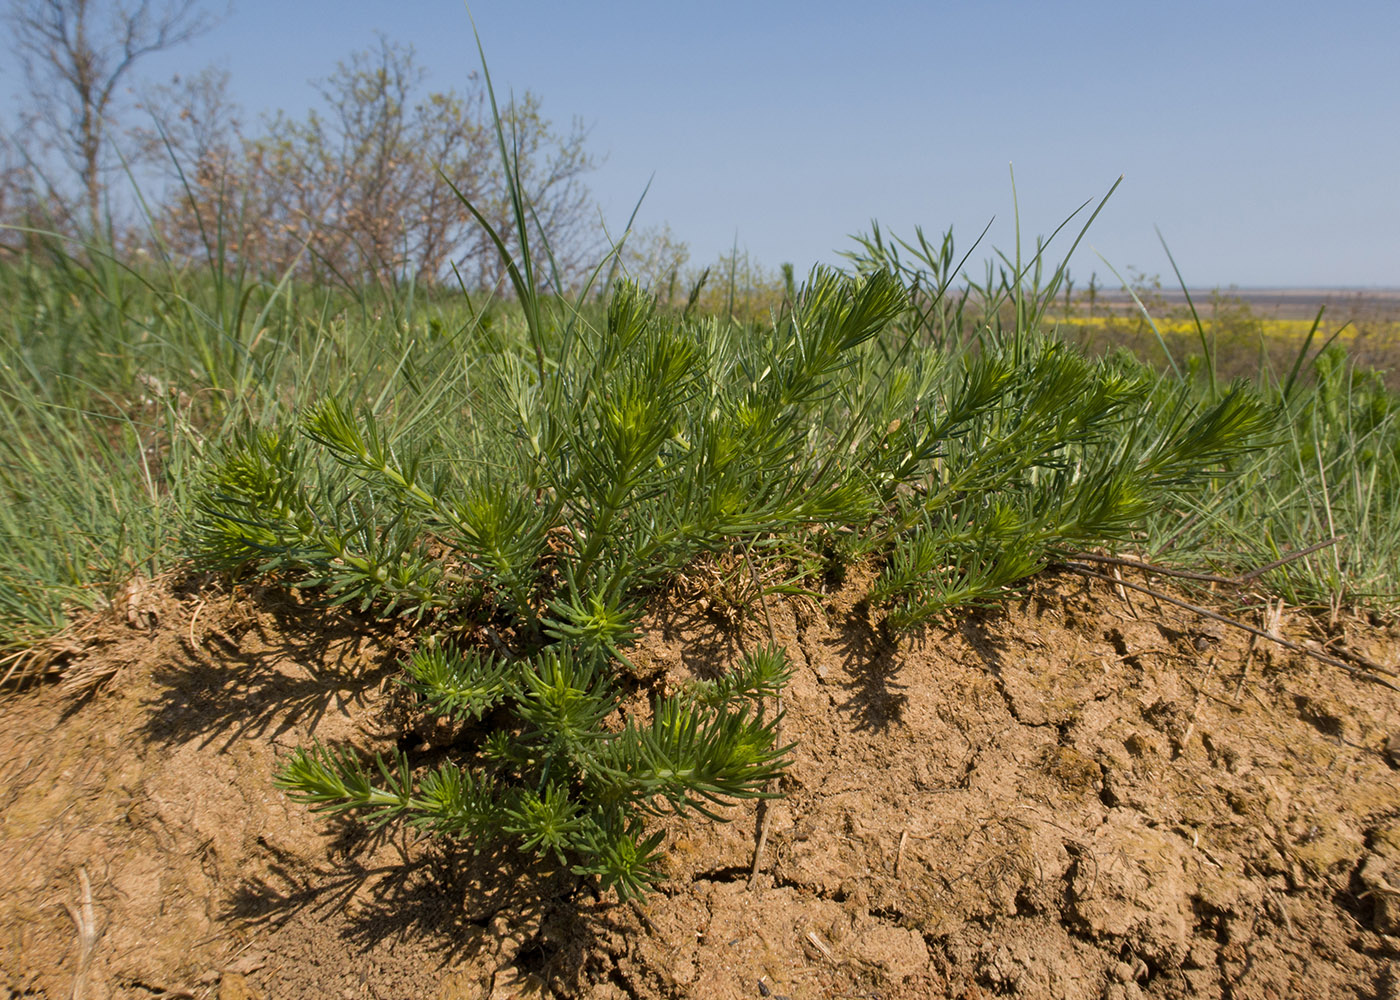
<point x="85" y="920"/>
<point x="1206" y="613"/>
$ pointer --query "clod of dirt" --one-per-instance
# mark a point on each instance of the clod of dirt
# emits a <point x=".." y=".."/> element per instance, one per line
<point x="1381" y="877"/>
<point x="1128" y="885"/>
<point x="1392" y="749"/>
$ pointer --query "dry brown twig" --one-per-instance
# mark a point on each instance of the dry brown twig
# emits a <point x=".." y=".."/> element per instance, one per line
<point x="1361" y="660"/>
<point x="821" y="948"/>
<point x="85" y="919"/>
<point x="1322" y="657"/>
<point x="1151" y="567"/>
<point x="1289" y="557"/>
<point x="1183" y="574"/>
<point x="1273" y="621"/>
<point x="1123" y="594"/>
<point x="1195" y="712"/>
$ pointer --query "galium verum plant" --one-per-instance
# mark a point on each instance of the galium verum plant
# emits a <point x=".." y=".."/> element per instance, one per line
<point x="648" y="443"/>
<point x="525" y="517"/>
<point x="527" y="531"/>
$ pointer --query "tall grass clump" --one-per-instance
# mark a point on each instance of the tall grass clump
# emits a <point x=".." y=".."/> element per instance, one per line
<point x="120" y="373"/>
<point x="1321" y="507"/>
<point x="92" y="462"/>
<point x="1330" y="484"/>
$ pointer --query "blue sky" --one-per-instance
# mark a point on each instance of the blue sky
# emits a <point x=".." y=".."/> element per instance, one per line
<point x="1262" y="138"/>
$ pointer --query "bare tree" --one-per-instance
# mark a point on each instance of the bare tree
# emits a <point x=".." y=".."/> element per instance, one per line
<point x="14" y="188"/>
<point x="366" y="172"/>
<point x="355" y="190"/>
<point x="193" y="138"/>
<point x="74" y="54"/>
<point x="190" y="122"/>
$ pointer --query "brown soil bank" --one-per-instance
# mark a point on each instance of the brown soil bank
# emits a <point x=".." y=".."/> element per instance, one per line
<point x="1071" y="798"/>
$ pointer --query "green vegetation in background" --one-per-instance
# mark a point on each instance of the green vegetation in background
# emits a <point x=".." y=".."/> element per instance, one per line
<point x="117" y="376"/>
<point x="122" y="374"/>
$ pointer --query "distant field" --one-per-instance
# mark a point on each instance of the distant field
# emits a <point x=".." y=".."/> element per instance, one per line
<point x="1285" y="303"/>
<point x="1250" y="332"/>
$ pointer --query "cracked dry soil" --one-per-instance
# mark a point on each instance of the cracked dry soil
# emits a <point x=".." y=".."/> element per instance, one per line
<point x="1071" y="797"/>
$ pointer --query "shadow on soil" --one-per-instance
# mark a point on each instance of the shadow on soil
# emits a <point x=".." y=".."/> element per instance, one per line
<point x="284" y="664"/>
<point x="279" y="664"/>
<point x="456" y="905"/>
<point x="875" y="700"/>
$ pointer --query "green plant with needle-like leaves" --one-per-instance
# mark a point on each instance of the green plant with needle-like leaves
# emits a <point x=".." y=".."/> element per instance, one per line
<point x="678" y="445"/>
<point x="585" y="464"/>
<point x="655" y="440"/>
<point x="555" y="778"/>
<point x="1056" y="453"/>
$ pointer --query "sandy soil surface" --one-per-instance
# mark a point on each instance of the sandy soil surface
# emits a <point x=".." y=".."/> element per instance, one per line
<point x="1072" y="797"/>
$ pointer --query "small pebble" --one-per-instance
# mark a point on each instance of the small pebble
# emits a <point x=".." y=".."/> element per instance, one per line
<point x="1200" y="957"/>
<point x="1392" y="749"/>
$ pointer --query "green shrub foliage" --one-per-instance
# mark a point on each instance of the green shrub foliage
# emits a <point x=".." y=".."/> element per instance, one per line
<point x="552" y="775"/>
<point x="581" y="464"/>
